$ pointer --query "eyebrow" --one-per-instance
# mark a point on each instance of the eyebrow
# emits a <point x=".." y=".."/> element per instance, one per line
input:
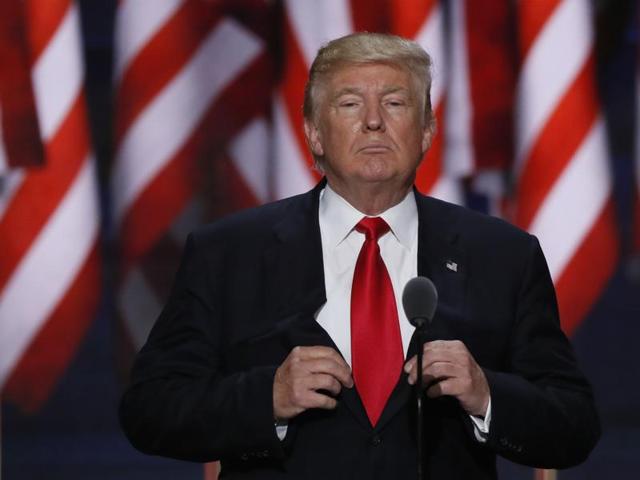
<point x="358" y="91"/>
<point x="347" y="91"/>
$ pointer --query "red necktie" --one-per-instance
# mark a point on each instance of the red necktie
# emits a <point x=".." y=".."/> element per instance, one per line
<point x="376" y="346"/>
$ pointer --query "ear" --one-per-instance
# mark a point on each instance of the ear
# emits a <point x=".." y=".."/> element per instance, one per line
<point x="312" y="134"/>
<point x="427" y="137"/>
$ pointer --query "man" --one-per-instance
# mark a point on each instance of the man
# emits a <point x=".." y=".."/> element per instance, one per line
<point x="283" y="350"/>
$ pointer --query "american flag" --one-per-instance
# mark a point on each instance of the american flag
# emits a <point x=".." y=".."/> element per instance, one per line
<point x="563" y="179"/>
<point x="49" y="218"/>
<point x="193" y="92"/>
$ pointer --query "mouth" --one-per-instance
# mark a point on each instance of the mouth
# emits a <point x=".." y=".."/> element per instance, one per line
<point x="374" y="148"/>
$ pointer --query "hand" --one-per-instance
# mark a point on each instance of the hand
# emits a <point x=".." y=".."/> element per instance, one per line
<point x="304" y="375"/>
<point x="449" y="369"/>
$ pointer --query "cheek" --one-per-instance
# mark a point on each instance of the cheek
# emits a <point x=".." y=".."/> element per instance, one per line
<point x="342" y="135"/>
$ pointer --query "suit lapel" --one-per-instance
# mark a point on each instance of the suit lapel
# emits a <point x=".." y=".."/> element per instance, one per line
<point x="441" y="260"/>
<point x="294" y="260"/>
<point x="297" y="290"/>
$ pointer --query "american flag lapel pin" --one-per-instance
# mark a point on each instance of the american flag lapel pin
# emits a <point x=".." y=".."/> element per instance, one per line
<point x="451" y="265"/>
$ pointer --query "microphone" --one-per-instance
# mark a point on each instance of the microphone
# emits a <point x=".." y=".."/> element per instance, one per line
<point x="419" y="299"/>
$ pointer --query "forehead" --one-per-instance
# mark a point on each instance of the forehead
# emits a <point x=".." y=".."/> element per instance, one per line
<point x="373" y="76"/>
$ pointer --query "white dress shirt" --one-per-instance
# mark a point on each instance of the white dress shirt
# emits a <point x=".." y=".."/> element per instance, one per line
<point x="341" y="244"/>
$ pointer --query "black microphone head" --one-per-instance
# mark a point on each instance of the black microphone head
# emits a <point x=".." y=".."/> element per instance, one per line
<point x="419" y="300"/>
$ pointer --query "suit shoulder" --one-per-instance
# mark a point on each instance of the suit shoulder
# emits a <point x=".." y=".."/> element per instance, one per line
<point x="252" y="223"/>
<point x="478" y="228"/>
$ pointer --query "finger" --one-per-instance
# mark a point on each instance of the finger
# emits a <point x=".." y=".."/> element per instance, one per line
<point x="327" y="383"/>
<point x="433" y="372"/>
<point x="320" y="351"/>
<point x="328" y="366"/>
<point x="460" y="357"/>
<point x="410" y="364"/>
<point x="412" y="374"/>
<point x="440" y="370"/>
<point x="438" y="389"/>
<point x="444" y="348"/>
<point x="432" y="356"/>
<point x="453" y="386"/>
<point x="428" y="371"/>
<point x="320" y="400"/>
<point x="445" y="344"/>
<point x="410" y="370"/>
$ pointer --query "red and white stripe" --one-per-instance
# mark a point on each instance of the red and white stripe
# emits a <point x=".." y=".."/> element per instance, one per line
<point x="49" y="219"/>
<point x="20" y="143"/>
<point x="563" y="181"/>
<point x="184" y="119"/>
<point x="478" y="130"/>
<point x="458" y="130"/>
<point x="307" y="25"/>
<point x="4" y="159"/>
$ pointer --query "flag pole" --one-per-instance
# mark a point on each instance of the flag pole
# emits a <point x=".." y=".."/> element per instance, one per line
<point x="211" y="471"/>
<point x="0" y="437"/>
<point x="544" y="474"/>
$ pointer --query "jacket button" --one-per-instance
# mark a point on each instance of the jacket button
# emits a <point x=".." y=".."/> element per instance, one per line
<point x="376" y="440"/>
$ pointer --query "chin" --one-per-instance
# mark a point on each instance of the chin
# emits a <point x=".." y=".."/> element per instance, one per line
<point x="376" y="170"/>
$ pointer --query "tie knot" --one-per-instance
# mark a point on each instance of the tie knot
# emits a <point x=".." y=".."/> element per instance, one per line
<point x="372" y="227"/>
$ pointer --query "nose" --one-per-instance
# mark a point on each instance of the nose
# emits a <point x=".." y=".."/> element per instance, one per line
<point x="373" y="120"/>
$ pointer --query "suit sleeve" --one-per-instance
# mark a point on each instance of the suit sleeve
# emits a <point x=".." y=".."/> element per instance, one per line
<point x="180" y="402"/>
<point x="543" y="412"/>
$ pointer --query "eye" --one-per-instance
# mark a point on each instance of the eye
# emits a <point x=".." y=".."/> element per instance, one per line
<point x="395" y="102"/>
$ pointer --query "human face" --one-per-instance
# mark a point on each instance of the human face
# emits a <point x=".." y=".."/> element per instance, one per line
<point x="369" y="128"/>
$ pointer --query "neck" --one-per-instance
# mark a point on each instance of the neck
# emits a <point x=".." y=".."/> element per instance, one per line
<point x="372" y="199"/>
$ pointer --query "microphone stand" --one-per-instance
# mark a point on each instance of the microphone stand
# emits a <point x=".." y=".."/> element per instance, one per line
<point x="421" y="330"/>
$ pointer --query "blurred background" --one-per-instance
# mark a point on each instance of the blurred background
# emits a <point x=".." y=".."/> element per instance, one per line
<point x="126" y="124"/>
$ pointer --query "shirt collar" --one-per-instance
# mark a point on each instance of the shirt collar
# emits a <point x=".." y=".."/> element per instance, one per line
<point x="339" y="217"/>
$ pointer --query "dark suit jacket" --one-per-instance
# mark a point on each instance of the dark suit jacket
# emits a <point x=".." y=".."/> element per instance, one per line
<point x="246" y="294"/>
